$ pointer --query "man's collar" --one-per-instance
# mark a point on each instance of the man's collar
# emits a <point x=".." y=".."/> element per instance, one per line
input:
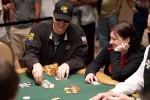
<point x="65" y="38"/>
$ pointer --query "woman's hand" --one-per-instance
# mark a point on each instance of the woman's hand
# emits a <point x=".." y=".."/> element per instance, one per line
<point x="90" y="78"/>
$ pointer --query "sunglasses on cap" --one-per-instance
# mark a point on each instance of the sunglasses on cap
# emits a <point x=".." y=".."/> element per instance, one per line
<point x="65" y="21"/>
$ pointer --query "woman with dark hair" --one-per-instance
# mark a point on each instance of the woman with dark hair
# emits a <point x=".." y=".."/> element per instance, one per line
<point x="121" y="58"/>
<point x="9" y="81"/>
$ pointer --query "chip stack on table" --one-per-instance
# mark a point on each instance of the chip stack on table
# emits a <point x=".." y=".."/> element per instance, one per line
<point x="47" y="84"/>
<point x="51" y="69"/>
<point x="73" y="89"/>
<point x="74" y="86"/>
<point x="67" y="90"/>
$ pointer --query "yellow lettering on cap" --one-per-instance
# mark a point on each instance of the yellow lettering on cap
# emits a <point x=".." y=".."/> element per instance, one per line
<point x="64" y="8"/>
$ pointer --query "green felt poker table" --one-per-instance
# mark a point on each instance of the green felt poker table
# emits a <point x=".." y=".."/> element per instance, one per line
<point x="37" y="92"/>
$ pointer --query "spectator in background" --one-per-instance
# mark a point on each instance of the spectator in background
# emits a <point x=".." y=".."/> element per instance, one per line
<point x="140" y="10"/>
<point x="2" y="29"/>
<point x="85" y="16"/>
<point x="6" y="8"/>
<point x="108" y="16"/>
<point x="121" y="58"/>
<point x="22" y="10"/>
<point x="9" y="81"/>
<point x="47" y="8"/>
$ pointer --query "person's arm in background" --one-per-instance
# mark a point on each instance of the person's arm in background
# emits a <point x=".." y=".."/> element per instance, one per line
<point x="76" y="3"/>
<point x="132" y="5"/>
<point x="118" y="7"/>
<point x="12" y="12"/>
<point x="37" y="7"/>
<point x="0" y="7"/>
<point x="6" y="7"/>
<point x="83" y="2"/>
<point x="0" y="13"/>
<point x="89" y="2"/>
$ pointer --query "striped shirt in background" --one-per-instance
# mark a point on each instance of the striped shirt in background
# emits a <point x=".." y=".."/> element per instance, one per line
<point x="47" y="7"/>
<point x="0" y="4"/>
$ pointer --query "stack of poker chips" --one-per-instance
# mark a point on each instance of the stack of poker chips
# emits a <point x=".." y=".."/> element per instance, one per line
<point x="71" y="90"/>
<point x="47" y="84"/>
<point x="51" y="69"/>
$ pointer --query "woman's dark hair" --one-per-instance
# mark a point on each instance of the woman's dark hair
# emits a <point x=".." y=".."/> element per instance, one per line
<point x="9" y="80"/>
<point x="124" y="29"/>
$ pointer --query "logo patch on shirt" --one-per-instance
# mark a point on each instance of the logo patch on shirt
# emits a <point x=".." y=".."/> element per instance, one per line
<point x="83" y="38"/>
<point x="148" y="64"/>
<point x="31" y="36"/>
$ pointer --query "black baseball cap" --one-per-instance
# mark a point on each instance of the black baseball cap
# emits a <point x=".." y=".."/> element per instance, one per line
<point x="63" y="10"/>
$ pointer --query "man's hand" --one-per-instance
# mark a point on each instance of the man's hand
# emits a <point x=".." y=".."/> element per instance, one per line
<point x="123" y="47"/>
<point x="62" y="71"/>
<point x="102" y="96"/>
<point x="37" y="73"/>
<point x="90" y="78"/>
<point x="119" y="97"/>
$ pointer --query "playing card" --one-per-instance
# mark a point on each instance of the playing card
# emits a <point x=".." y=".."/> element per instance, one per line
<point x="26" y="84"/>
<point x="95" y="83"/>
<point x="47" y="84"/>
<point x="59" y="79"/>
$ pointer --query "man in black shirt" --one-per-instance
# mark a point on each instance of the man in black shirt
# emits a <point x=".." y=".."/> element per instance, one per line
<point x="56" y="41"/>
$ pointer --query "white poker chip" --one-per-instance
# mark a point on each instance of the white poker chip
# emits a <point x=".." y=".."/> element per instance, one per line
<point x="26" y="97"/>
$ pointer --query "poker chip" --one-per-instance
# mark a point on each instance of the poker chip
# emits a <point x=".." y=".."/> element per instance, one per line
<point x="72" y="90"/>
<point x="75" y="92"/>
<point x="68" y="92"/>
<point x="66" y="89"/>
<point x="51" y="85"/>
<point x="26" y="97"/>
<point x="56" y="98"/>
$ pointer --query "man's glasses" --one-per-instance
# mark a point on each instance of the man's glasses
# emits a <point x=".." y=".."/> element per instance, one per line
<point x="65" y="21"/>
